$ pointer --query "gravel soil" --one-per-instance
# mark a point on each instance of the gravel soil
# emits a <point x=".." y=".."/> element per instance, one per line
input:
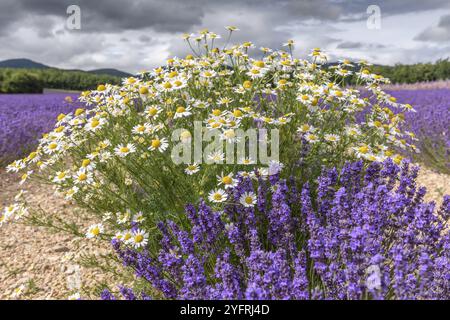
<point x="48" y="264"/>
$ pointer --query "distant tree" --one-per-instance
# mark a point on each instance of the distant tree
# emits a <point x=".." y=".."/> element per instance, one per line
<point x="22" y="82"/>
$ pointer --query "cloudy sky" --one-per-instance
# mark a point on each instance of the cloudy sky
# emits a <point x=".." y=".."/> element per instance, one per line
<point x="134" y="35"/>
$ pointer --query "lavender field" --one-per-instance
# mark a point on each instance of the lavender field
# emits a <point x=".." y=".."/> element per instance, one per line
<point x="25" y="117"/>
<point x="430" y="124"/>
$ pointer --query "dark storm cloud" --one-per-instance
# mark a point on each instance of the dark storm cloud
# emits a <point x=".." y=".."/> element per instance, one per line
<point x="438" y="33"/>
<point x="182" y="15"/>
<point x="151" y="28"/>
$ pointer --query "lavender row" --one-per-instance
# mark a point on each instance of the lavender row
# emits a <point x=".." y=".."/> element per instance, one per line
<point x="430" y="124"/>
<point x="25" y="117"/>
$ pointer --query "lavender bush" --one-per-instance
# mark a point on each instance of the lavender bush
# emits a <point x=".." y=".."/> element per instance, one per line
<point x="25" y="117"/>
<point x="357" y="234"/>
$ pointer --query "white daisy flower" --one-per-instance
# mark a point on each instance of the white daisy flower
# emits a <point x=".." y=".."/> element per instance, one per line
<point x="52" y="147"/>
<point x="248" y="199"/>
<point x="227" y="181"/>
<point x="17" y="292"/>
<point x="60" y="176"/>
<point x="94" y="124"/>
<point x="124" y="150"/>
<point x="159" y="144"/>
<point x="201" y="104"/>
<point x="141" y="129"/>
<point x="218" y="195"/>
<point x="182" y="112"/>
<point x="94" y="231"/>
<point x="216" y="157"/>
<point x="83" y="177"/>
<point x="332" y="137"/>
<point x="312" y="138"/>
<point x="70" y="193"/>
<point x="246" y="161"/>
<point x="127" y="236"/>
<point x="139" y="239"/>
<point x="208" y="74"/>
<point x="192" y="168"/>
<point x="152" y="112"/>
<point x="139" y="217"/>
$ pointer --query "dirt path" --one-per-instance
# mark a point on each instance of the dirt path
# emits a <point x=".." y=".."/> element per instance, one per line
<point x="47" y="264"/>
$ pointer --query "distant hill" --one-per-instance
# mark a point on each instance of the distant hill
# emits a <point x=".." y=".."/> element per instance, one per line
<point x="22" y="64"/>
<point x="30" y="64"/>
<point x="111" y="72"/>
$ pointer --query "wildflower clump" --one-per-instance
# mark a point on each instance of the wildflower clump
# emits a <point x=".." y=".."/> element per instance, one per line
<point x="115" y="156"/>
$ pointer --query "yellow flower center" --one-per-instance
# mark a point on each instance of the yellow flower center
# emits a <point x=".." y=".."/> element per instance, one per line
<point x="248" y="200"/>
<point x="217" y="197"/>
<point x="259" y="64"/>
<point x="95" y="231"/>
<point x="124" y="150"/>
<point x="247" y="84"/>
<point x="217" y="112"/>
<point x="363" y="149"/>
<point x="59" y="129"/>
<point x="156" y="143"/>
<point x="152" y="111"/>
<point x="52" y="146"/>
<point x="61" y="175"/>
<point x="101" y="87"/>
<point x="94" y="123"/>
<point x="227" y="180"/>
<point x="79" y="111"/>
<point x="85" y="163"/>
<point x="167" y="85"/>
<point x="143" y="90"/>
<point x="138" y="238"/>
<point x="181" y="109"/>
<point x="82" y="177"/>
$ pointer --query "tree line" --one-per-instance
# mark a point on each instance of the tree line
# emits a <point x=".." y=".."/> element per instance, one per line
<point x="35" y="80"/>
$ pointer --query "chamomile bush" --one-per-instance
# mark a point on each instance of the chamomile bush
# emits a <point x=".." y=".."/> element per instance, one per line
<point x="115" y="157"/>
